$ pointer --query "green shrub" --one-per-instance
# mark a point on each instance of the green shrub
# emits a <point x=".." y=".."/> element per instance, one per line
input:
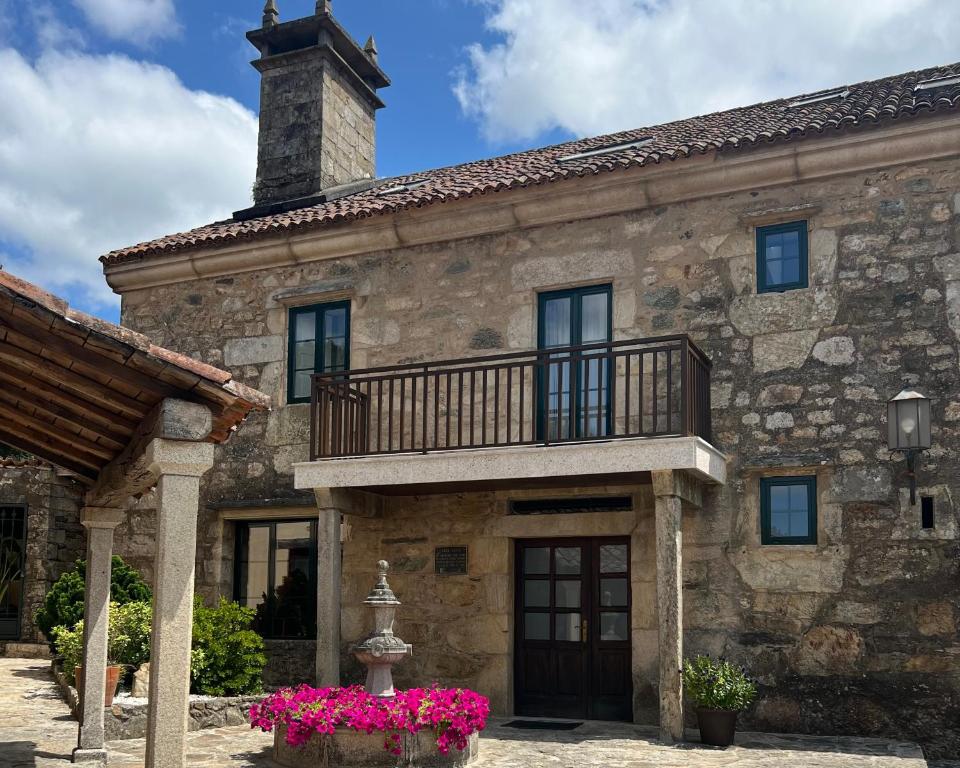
<point x="231" y="658"/>
<point x="717" y="684"/>
<point x="69" y="644"/>
<point x="130" y="624"/>
<point x="63" y="604"/>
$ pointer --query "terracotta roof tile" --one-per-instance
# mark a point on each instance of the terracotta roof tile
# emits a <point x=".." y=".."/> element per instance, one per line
<point x="869" y="102"/>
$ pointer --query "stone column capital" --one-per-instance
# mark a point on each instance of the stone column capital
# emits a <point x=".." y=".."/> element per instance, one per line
<point x="179" y="457"/>
<point x="101" y="517"/>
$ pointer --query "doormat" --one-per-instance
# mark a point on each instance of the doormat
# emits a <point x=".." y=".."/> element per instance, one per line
<point x="542" y="725"/>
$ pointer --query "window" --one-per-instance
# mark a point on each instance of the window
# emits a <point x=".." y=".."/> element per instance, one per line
<point x="926" y="512"/>
<point x="319" y="343"/>
<point x="276" y="574"/>
<point x="937" y="82"/>
<point x="816" y="98"/>
<point x="788" y="510"/>
<point x="782" y="257"/>
<point x="576" y="400"/>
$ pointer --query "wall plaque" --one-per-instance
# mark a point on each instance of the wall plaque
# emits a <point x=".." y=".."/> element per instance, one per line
<point x="451" y="561"/>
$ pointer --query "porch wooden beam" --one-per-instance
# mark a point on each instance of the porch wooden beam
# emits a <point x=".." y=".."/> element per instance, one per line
<point x="54" y="414"/>
<point x="78" y="354"/>
<point x="48" y="453"/>
<point x="89" y="388"/>
<point x="44" y="428"/>
<point x="130" y="474"/>
<point x="36" y="387"/>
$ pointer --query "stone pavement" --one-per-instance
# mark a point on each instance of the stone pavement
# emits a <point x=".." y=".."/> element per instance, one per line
<point x="37" y="731"/>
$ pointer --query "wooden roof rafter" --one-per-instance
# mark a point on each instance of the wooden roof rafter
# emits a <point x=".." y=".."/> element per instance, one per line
<point x="74" y="390"/>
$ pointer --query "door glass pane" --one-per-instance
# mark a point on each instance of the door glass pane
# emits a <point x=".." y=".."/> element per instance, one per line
<point x="293" y="595"/>
<point x="335" y="323"/>
<point x="568" y="627"/>
<point x="536" y="560"/>
<point x="558" y="400"/>
<point x="613" y="626"/>
<point x="306" y="327"/>
<point x="567" y="560"/>
<point x="613" y="592"/>
<point x="536" y="626"/>
<point x="536" y="593"/>
<point x="594" y="318"/>
<point x="305" y="355"/>
<point x="557" y="317"/>
<point x="335" y="355"/>
<point x="301" y="384"/>
<point x="256" y="582"/>
<point x="613" y="558"/>
<point x="568" y="594"/>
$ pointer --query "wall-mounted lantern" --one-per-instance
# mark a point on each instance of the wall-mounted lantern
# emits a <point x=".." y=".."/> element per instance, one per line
<point x="908" y="422"/>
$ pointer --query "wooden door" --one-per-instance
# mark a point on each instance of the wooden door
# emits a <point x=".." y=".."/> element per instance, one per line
<point x="573" y="629"/>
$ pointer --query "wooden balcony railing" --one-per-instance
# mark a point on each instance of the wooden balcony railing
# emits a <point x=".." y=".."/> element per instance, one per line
<point x="658" y="387"/>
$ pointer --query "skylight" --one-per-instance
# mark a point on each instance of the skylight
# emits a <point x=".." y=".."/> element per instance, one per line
<point x="405" y="187"/>
<point x="937" y="82"/>
<point x="607" y="150"/>
<point x="816" y="98"/>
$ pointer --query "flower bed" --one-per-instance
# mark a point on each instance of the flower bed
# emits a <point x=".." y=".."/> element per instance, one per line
<point x="450" y="716"/>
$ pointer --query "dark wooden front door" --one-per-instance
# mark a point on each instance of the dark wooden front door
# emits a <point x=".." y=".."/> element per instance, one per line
<point x="573" y="629"/>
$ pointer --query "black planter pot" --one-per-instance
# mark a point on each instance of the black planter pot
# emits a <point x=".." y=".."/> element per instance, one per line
<point x="717" y="726"/>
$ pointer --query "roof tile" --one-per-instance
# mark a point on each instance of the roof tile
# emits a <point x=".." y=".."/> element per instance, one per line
<point x="868" y="102"/>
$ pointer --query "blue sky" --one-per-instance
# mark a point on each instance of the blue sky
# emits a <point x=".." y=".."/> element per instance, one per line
<point x="124" y="120"/>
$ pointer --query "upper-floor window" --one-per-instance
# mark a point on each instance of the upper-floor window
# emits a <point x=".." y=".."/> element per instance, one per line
<point x="788" y="510"/>
<point x="276" y="575"/>
<point x="782" y="257"/>
<point x="319" y="343"/>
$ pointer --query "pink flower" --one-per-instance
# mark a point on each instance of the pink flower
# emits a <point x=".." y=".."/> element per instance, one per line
<point x="451" y="714"/>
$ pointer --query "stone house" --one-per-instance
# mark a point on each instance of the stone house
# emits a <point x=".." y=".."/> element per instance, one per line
<point x="601" y="405"/>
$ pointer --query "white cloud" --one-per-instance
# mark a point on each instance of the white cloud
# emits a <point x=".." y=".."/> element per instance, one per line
<point x="135" y="21"/>
<point x="102" y="152"/>
<point x="592" y="68"/>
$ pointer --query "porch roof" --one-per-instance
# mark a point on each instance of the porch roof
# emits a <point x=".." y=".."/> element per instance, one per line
<point x="75" y="390"/>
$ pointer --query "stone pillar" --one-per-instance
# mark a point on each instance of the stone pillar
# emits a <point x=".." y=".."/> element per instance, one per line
<point x="99" y="522"/>
<point x="667" y="506"/>
<point x="178" y="466"/>
<point x="330" y="509"/>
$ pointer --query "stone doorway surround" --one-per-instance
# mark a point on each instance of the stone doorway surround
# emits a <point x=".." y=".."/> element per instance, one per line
<point x="671" y="474"/>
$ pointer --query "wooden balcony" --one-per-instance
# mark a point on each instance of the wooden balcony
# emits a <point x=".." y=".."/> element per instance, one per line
<point x="640" y="388"/>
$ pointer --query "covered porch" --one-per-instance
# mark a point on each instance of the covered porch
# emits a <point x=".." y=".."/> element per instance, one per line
<point x="424" y="462"/>
<point x="126" y="417"/>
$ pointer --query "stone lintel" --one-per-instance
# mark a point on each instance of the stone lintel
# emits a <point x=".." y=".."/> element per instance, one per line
<point x="631" y="456"/>
<point x="101" y="517"/>
<point x="131" y="473"/>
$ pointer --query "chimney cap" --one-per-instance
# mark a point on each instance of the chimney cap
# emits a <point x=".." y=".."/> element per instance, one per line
<point x="324" y="7"/>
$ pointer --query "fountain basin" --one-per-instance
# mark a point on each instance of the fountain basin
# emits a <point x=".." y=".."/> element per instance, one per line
<point x="353" y="749"/>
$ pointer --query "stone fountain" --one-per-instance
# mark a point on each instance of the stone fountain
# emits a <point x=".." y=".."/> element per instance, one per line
<point x="381" y="649"/>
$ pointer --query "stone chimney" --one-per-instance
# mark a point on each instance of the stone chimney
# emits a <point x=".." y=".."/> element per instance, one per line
<point x="318" y="101"/>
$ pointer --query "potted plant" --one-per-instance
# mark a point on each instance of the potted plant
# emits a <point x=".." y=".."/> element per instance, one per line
<point x="720" y="690"/>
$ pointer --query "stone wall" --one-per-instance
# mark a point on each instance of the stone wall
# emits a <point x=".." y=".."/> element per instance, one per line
<point x="55" y="538"/>
<point x="856" y="634"/>
<point x="316" y="131"/>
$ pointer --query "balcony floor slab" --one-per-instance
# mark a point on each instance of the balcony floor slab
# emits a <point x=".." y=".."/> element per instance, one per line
<point x="571" y="464"/>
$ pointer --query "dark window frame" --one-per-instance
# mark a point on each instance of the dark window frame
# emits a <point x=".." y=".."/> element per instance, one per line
<point x="800" y="227"/>
<point x="319" y="358"/>
<point x="576" y="295"/>
<point x="241" y="540"/>
<point x="766" y="484"/>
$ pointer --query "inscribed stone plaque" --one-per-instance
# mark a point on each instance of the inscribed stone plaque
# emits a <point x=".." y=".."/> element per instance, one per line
<point x="451" y="561"/>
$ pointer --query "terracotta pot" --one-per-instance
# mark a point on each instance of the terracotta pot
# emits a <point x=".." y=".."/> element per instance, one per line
<point x="717" y="726"/>
<point x="112" y="681"/>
